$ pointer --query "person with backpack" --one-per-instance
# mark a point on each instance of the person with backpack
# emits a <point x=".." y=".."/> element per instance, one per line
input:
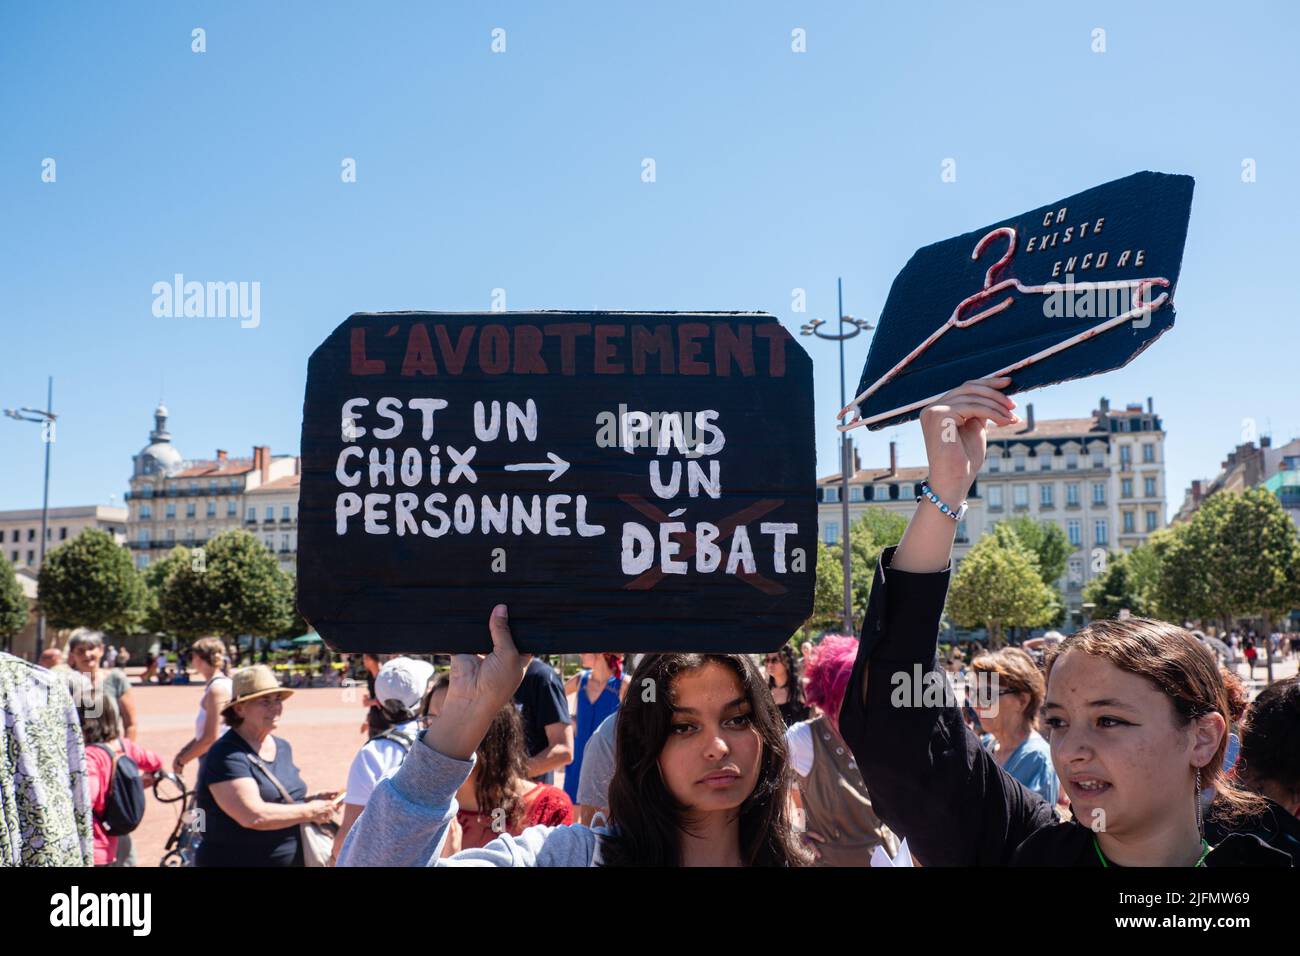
<point x="393" y="722"/>
<point x="117" y="770"/>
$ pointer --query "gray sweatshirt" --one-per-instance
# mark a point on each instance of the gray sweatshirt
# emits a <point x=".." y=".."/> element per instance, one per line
<point x="406" y="819"/>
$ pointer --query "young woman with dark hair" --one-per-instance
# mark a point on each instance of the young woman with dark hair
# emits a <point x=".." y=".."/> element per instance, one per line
<point x="1136" y="712"/>
<point x="702" y="772"/>
<point x="784" y="680"/>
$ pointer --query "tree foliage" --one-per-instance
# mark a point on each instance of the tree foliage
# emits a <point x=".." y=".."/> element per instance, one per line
<point x="91" y="582"/>
<point x="999" y="585"/>
<point x="231" y="586"/>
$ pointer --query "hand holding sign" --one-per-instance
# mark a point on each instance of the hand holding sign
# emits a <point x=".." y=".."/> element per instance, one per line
<point x="955" y="437"/>
<point x="480" y="686"/>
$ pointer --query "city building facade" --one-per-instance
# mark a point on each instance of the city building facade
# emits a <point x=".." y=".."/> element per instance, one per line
<point x="271" y="512"/>
<point x="1101" y="479"/>
<point x="20" y="531"/>
<point x="1251" y="465"/>
<point x="174" y="501"/>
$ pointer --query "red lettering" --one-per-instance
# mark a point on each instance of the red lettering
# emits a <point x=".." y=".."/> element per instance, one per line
<point x="644" y="343"/>
<point x="776" y="336"/>
<point x="455" y="358"/>
<point x="688" y="348"/>
<point x="606" y="351"/>
<point x="728" y="346"/>
<point x="528" y="351"/>
<point x="568" y="332"/>
<point x="360" y="364"/>
<point x="494" y="350"/>
<point x="419" y="352"/>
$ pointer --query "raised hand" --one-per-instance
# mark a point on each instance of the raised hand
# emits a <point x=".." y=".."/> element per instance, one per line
<point x="954" y="429"/>
<point x="479" y="687"/>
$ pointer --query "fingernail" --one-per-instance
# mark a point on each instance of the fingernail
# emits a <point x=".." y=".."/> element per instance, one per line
<point x="500" y="611"/>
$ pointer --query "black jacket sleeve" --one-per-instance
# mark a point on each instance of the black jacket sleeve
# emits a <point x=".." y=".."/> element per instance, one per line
<point x="929" y="778"/>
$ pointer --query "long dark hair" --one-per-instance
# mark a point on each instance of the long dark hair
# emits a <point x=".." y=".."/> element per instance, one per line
<point x="793" y="675"/>
<point x="648" y="822"/>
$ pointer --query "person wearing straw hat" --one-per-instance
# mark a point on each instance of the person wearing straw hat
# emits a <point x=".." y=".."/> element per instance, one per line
<point x="250" y="792"/>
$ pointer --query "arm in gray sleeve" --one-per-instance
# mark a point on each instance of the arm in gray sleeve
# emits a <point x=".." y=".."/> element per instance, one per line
<point x="598" y="765"/>
<point x="406" y="819"/>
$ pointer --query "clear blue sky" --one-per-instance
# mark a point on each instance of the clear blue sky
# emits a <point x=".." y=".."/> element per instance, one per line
<point x="522" y="170"/>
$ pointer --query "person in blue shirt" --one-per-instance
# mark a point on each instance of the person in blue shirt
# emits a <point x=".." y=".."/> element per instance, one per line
<point x="599" y="688"/>
<point x="1008" y="691"/>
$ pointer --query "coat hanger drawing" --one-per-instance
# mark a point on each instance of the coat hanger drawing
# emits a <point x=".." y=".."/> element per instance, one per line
<point x="982" y="300"/>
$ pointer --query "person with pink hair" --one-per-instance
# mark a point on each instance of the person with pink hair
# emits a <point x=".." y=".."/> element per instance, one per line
<point x="839" y="823"/>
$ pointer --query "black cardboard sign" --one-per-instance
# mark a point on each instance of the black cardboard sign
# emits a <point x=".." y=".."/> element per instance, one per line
<point x="622" y="481"/>
<point x="1071" y="289"/>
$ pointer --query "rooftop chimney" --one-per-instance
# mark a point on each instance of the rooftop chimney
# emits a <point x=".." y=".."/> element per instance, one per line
<point x="893" y="459"/>
<point x="1105" y="405"/>
<point x="1151" y="407"/>
<point x="221" y="454"/>
<point x="1029" y="417"/>
<point x="262" y="460"/>
<point x="857" y="462"/>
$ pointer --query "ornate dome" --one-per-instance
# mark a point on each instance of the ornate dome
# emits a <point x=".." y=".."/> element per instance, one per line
<point x="160" y="456"/>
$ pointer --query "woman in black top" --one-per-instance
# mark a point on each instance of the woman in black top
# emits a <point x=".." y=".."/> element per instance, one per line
<point x="786" y="684"/>
<point x="1135" y="710"/>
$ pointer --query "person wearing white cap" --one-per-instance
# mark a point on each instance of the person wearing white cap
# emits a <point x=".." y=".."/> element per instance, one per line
<point x="399" y="689"/>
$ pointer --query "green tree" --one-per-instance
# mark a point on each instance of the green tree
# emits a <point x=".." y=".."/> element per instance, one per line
<point x="1046" y="540"/>
<point x="231" y="586"/>
<point x="13" y="603"/>
<point x="91" y="582"/>
<point x="828" y="590"/>
<point x="873" y="531"/>
<point x="999" y="585"/>
<point x="155" y="579"/>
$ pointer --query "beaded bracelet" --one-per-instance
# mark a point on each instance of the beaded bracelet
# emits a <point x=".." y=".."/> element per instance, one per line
<point x="956" y="514"/>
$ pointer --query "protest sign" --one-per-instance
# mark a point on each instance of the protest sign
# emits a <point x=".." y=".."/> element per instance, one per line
<point x="1067" y="290"/>
<point x="621" y="481"/>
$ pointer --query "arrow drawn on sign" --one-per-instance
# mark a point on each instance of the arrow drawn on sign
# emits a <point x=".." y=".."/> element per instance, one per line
<point x="556" y="466"/>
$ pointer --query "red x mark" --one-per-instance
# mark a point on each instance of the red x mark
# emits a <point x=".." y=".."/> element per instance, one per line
<point x="686" y="539"/>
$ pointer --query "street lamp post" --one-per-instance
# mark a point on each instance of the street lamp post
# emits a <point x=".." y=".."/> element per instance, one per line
<point x="46" y="418"/>
<point x="854" y="326"/>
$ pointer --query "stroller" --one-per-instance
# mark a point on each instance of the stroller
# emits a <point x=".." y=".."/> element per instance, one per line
<point x="185" y="838"/>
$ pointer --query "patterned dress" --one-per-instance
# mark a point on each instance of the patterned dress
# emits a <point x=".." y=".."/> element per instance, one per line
<point x="45" y="817"/>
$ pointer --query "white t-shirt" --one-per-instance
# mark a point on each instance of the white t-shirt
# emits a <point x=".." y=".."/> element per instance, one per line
<point x="799" y="741"/>
<point x="201" y="721"/>
<point x="376" y="760"/>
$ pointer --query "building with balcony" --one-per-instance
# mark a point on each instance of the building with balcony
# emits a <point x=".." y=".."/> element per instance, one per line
<point x="1101" y="479"/>
<point x="1247" y="466"/>
<point x="271" y="512"/>
<point x="177" y="501"/>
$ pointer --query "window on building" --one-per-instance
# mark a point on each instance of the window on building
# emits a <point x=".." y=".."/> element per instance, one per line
<point x="855" y="494"/>
<point x="251" y="514"/>
<point x="1019" y="462"/>
<point x="1148" y="453"/>
<point x="1149" y="487"/>
<point x="31" y="557"/>
<point x="830" y="494"/>
<point x="13" y="557"/>
<point x="1126" y="487"/>
<point x="170" y="509"/>
<point x="1045" y="495"/>
<point x="170" y="534"/>
<point x="212" y="509"/>
<point x="869" y="492"/>
<point x="189" y="535"/>
<point x="995" y="462"/>
<point x="833" y="532"/>
<point x="893" y="492"/>
<point x="1074" y="528"/>
<point x="63" y="534"/>
<point x="1098" y="492"/>
<point x="145" y="512"/>
<point x="1072" y="493"/>
<point x="270" y="512"/>
<point x="1098" y="459"/>
<point x="194" y="487"/>
<point x="962" y="535"/>
<point x="232" y="509"/>
<point x="284" y="542"/>
<point x="1128" y="522"/>
<point x="144" y="560"/>
<point x="1044" y="462"/>
<point x="212" y="487"/>
<point x="1125" y="455"/>
<point x="1153" y="521"/>
<point x="1020" y="496"/>
<point x="1071" y="460"/>
<point x="1099" y="532"/>
<point x="144" y="536"/>
<point x="995" y="496"/>
<point x="190" y="509"/>
<point x="31" y="534"/>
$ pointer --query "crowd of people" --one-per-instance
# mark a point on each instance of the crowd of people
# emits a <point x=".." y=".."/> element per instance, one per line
<point x="1123" y="744"/>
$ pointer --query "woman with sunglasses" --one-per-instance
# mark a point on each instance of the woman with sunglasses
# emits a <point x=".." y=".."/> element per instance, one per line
<point x="784" y="680"/>
<point x="702" y="771"/>
<point x="1009" y="691"/>
<point x="1136" y="712"/>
